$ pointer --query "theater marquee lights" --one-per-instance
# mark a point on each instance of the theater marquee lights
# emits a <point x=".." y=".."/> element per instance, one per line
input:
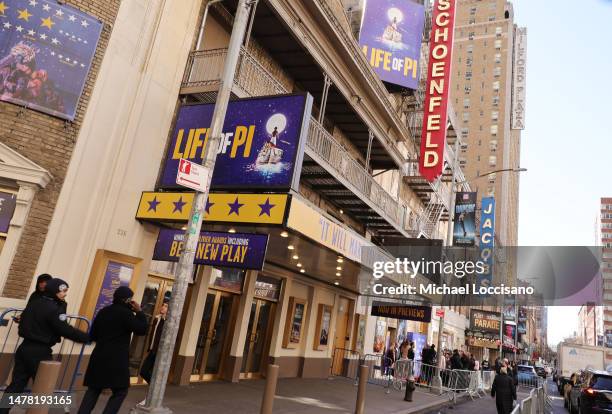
<point x="437" y="92"/>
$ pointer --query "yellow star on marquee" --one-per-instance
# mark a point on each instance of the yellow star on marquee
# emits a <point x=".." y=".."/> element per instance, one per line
<point x="24" y="14"/>
<point x="3" y="7"/>
<point x="47" y="22"/>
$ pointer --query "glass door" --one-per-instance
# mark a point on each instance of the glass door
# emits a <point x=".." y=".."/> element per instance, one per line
<point x="157" y="291"/>
<point x="257" y="344"/>
<point x="211" y="347"/>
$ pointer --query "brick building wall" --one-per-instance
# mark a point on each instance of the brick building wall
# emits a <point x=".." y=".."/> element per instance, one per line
<point x="49" y="142"/>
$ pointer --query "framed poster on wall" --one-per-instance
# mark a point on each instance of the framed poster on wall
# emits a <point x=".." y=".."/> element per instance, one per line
<point x="295" y="323"/>
<point x="109" y="271"/>
<point x="322" y="328"/>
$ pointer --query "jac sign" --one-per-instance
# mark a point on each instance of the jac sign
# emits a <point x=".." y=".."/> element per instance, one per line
<point x="437" y="93"/>
<point x="192" y="175"/>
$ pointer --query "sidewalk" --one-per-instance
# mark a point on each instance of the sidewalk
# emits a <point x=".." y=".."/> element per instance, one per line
<point x="316" y="396"/>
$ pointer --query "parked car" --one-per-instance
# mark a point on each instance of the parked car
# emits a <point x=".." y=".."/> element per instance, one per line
<point x="540" y="372"/>
<point x="527" y="375"/>
<point x="592" y="393"/>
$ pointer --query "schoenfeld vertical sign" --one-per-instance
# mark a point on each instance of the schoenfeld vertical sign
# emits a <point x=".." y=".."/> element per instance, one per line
<point x="437" y="93"/>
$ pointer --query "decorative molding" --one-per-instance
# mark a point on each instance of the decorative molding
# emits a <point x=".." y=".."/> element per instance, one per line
<point x="15" y="166"/>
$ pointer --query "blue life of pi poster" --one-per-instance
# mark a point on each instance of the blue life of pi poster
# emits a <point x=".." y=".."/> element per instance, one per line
<point x="46" y="51"/>
<point x="261" y="145"/>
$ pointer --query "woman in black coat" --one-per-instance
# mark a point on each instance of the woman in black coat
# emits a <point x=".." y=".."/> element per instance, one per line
<point x="109" y="362"/>
<point x="504" y="391"/>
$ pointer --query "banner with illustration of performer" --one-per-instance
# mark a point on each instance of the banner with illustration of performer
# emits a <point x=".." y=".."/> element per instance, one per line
<point x="391" y="37"/>
<point x="464" y="229"/>
<point x="46" y="51"/>
<point x="262" y="143"/>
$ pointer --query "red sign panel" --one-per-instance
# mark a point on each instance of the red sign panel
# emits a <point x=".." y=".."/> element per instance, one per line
<point x="438" y="86"/>
<point x="440" y="313"/>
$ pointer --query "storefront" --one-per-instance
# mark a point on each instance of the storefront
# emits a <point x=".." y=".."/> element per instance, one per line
<point x="482" y="337"/>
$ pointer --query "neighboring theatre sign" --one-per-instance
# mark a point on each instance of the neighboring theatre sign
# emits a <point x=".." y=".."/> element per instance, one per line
<point x="519" y="76"/>
<point x="464" y="228"/>
<point x="484" y="321"/>
<point x="435" y="115"/>
<point x="46" y="49"/>
<point x="8" y="202"/>
<point x="241" y="250"/>
<point x="403" y="312"/>
<point x="261" y="148"/>
<point x="116" y="274"/>
<point x="391" y="36"/>
<point x="323" y="230"/>
<point x="487" y="240"/>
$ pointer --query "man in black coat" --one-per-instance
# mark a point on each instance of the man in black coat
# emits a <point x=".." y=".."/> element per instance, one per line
<point x="108" y="367"/>
<point x="456" y="360"/>
<point x="42" y="324"/>
<point x="504" y="392"/>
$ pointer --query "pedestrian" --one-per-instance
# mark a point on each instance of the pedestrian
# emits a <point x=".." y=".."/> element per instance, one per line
<point x="389" y="359"/>
<point x="108" y="367"/>
<point x="39" y="291"/>
<point x="471" y="363"/>
<point x="476" y="365"/>
<point x="411" y="351"/>
<point x="485" y="365"/>
<point x="504" y="392"/>
<point x="146" y="371"/>
<point x="465" y="361"/>
<point x="456" y="360"/>
<point x="43" y="323"/>
<point x="514" y="373"/>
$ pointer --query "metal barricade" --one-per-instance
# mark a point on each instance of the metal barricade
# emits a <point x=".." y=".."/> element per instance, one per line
<point x="345" y="363"/>
<point x="68" y="353"/>
<point x="380" y="370"/>
<point x="530" y="381"/>
<point x="402" y="371"/>
<point x="487" y="380"/>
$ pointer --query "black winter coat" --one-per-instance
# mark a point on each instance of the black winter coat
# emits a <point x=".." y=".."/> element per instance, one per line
<point x="44" y="320"/>
<point x="456" y="362"/>
<point x="504" y="391"/>
<point x="112" y="331"/>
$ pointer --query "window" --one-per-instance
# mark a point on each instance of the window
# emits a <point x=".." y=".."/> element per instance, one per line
<point x="466" y="103"/>
<point x="472" y="11"/>
<point x="490" y="191"/>
<point x="498" y="58"/>
<point x="496" y="101"/>
<point x="497" y="72"/>
<point x="465" y="132"/>
<point x="494" y="115"/>
<point x="498" y="44"/>
<point x="470" y="48"/>
<point x="496" y="86"/>
<point x="472" y="21"/>
<point x="466" y="116"/>
<point x="467" y="89"/>
<point x="492" y="160"/>
<point x="498" y="31"/>
<point x="468" y="75"/>
<point x="493" y="145"/>
<point x="471" y="36"/>
<point x="492" y="18"/>
<point x="468" y="61"/>
<point x="494" y="130"/>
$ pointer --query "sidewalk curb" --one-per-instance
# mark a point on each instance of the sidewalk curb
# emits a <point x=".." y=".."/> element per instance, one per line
<point x="423" y="409"/>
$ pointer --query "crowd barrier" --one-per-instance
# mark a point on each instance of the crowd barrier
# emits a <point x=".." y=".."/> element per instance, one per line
<point x="67" y="352"/>
<point x="534" y="404"/>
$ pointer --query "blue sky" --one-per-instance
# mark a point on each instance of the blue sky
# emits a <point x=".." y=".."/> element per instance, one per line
<point x="567" y="144"/>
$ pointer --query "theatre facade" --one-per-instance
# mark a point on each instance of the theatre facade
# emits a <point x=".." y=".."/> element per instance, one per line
<point x="314" y="169"/>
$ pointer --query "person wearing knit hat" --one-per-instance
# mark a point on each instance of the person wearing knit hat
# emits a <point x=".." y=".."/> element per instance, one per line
<point x="108" y="367"/>
<point x="43" y="323"/>
<point x="41" y="283"/>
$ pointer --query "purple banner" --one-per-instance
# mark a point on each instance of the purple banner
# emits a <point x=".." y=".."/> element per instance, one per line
<point x="46" y="50"/>
<point x="241" y="250"/>
<point x="8" y="202"/>
<point x="262" y="144"/>
<point x="116" y="274"/>
<point x="391" y="37"/>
